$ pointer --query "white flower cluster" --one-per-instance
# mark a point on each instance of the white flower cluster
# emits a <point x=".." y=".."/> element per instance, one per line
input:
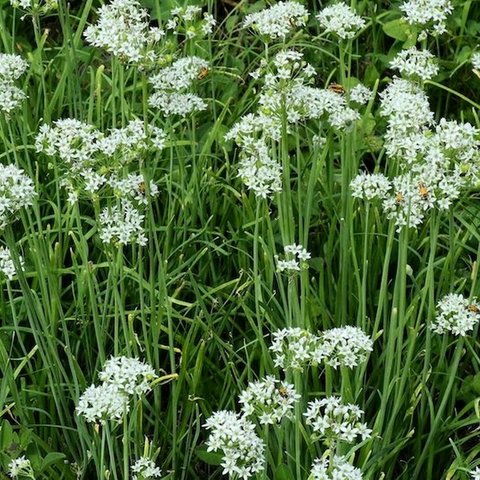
<point x="456" y="314"/>
<point x="340" y="20"/>
<point x="16" y="192"/>
<point x="295" y="256"/>
<point x="279" y="20"/>
<point x="475" y="474"/>
<point x="295" y="348"/>
<point x="7" y="267"/>
<point x="286" y="93"/>
<point x="360" y="94"/>
<point x="243" y="450"/>
<point x="91" y="160"/>
<point x="436" y="160"/>
<point x="121" y="378"/>
<point x="145" y="469"/>
<point x="12" y="67"/>
<point x="123" y="30"/>
<point x="170" y="85"/>
<point x="431" y="15"/>
<point x="476" y="60"/>
<point x="20" y="467"/>
<point x="342" y="346"/>
<point x="415" y="64"/>
<point x="269" y="400"/>
<point x="185" y="20"/>
<point x="39" y="6"/>
<point x="122" y="225"/>
<point x="336" y="468"/>
<point x="333" y="420"/>
<point x="370" y="186"/>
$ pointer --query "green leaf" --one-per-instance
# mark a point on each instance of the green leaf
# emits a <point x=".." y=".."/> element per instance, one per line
<point x="50" y="458"/>
<point x="210" y="458"/>
<point x="283" y="473"/>
<point x="398" y="29"/>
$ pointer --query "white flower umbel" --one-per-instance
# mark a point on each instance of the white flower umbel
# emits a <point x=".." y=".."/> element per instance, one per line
<point x="416" y="64"/>
<point x="20" y="468"/>
<point x="456" y="314"/>
<point x="173" y="103"/>
<point x="430" y="15"/>
<point x="73" y="141"/>
<point x="336" y="468"/>
<point x="269" y="400"/>
<point x="360" y="94"/>
<point x="370" y="186"/>
<point x="295" y="257"/>
<point x="476" y="60"/>
<point x="123" y="30"/>
<point x="278" y="21"/>
<point x="129" y="375"/>
<point x="99" y="404"/>
<point x="342" y="347"/>
<point x="16" y="192"/>
<point x="12" y="67"/>
<point x="243" y="450"/>
<point x="475" y="474"/>
<point x="333" y="420"/>
<point x="340" y="20"/>
<point x="133" y="187"/>
<point x="145" y="469"/>
<point x="39" y="6"/>
<point x="122" y="225"/>
<point x="292" y="348"/>
<point x="7" y="267"/>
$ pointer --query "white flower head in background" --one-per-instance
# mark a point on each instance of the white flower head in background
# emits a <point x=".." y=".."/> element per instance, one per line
<point x="360" y="94"/>
<point x="340" y="20"/>
<point x="414" y="63"/>
<point x="278" y="21"/>
<point x="12" y="67"/>
<point x="370" y="186"/>
<point x="333" y="420"/>
<point x="296" y="258"/>
<point x="456" y="314"/>
<point x="7" y="266"/>
<point x="336" y="468"/>
<point x="292" y="348"/>
<point x="430" y="15"/>
<point x="269" y="400"/>
<point x="243" y="450"/>
<point x="145" y="469"/>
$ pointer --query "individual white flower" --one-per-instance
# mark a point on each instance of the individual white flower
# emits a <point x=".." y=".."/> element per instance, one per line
<point x="456" y="314"/>
<point x="360" y="94"/>
<point x="7" y="267"/>
<point x="415" y="63"/>
<point x="431" y="15"/>
<point x="16" y="192"/>
<point x="145" y="469"/>
<point x="333" y="420"/>
<point x="370" y="186"/>
<point x="279" y="20"/>
<point x="476" y="60"/>
<point x="344" y="346"/>
<point x="269" y="400"/>
<point x="243" y="450"/>
<point x="20" y="467"/>
<point x="129" y="375"/>
<point x="292" y="348"/>
<point x="341" y="20"/>
<point x="475" y="474"/>
<point x="122" y="224"/>
<point x="101" y="403"/>
<point x="336" y="468"/>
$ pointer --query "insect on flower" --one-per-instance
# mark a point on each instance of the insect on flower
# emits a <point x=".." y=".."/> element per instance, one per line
<point x="204" y="71"/>
<point x="283" y="392"/>
<point x="423" y="190"/>
<point x="337" y="88"/>
<point x="142" y="188"/>
<point x="473" y="308"/>
<point x="399" y="198"/>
